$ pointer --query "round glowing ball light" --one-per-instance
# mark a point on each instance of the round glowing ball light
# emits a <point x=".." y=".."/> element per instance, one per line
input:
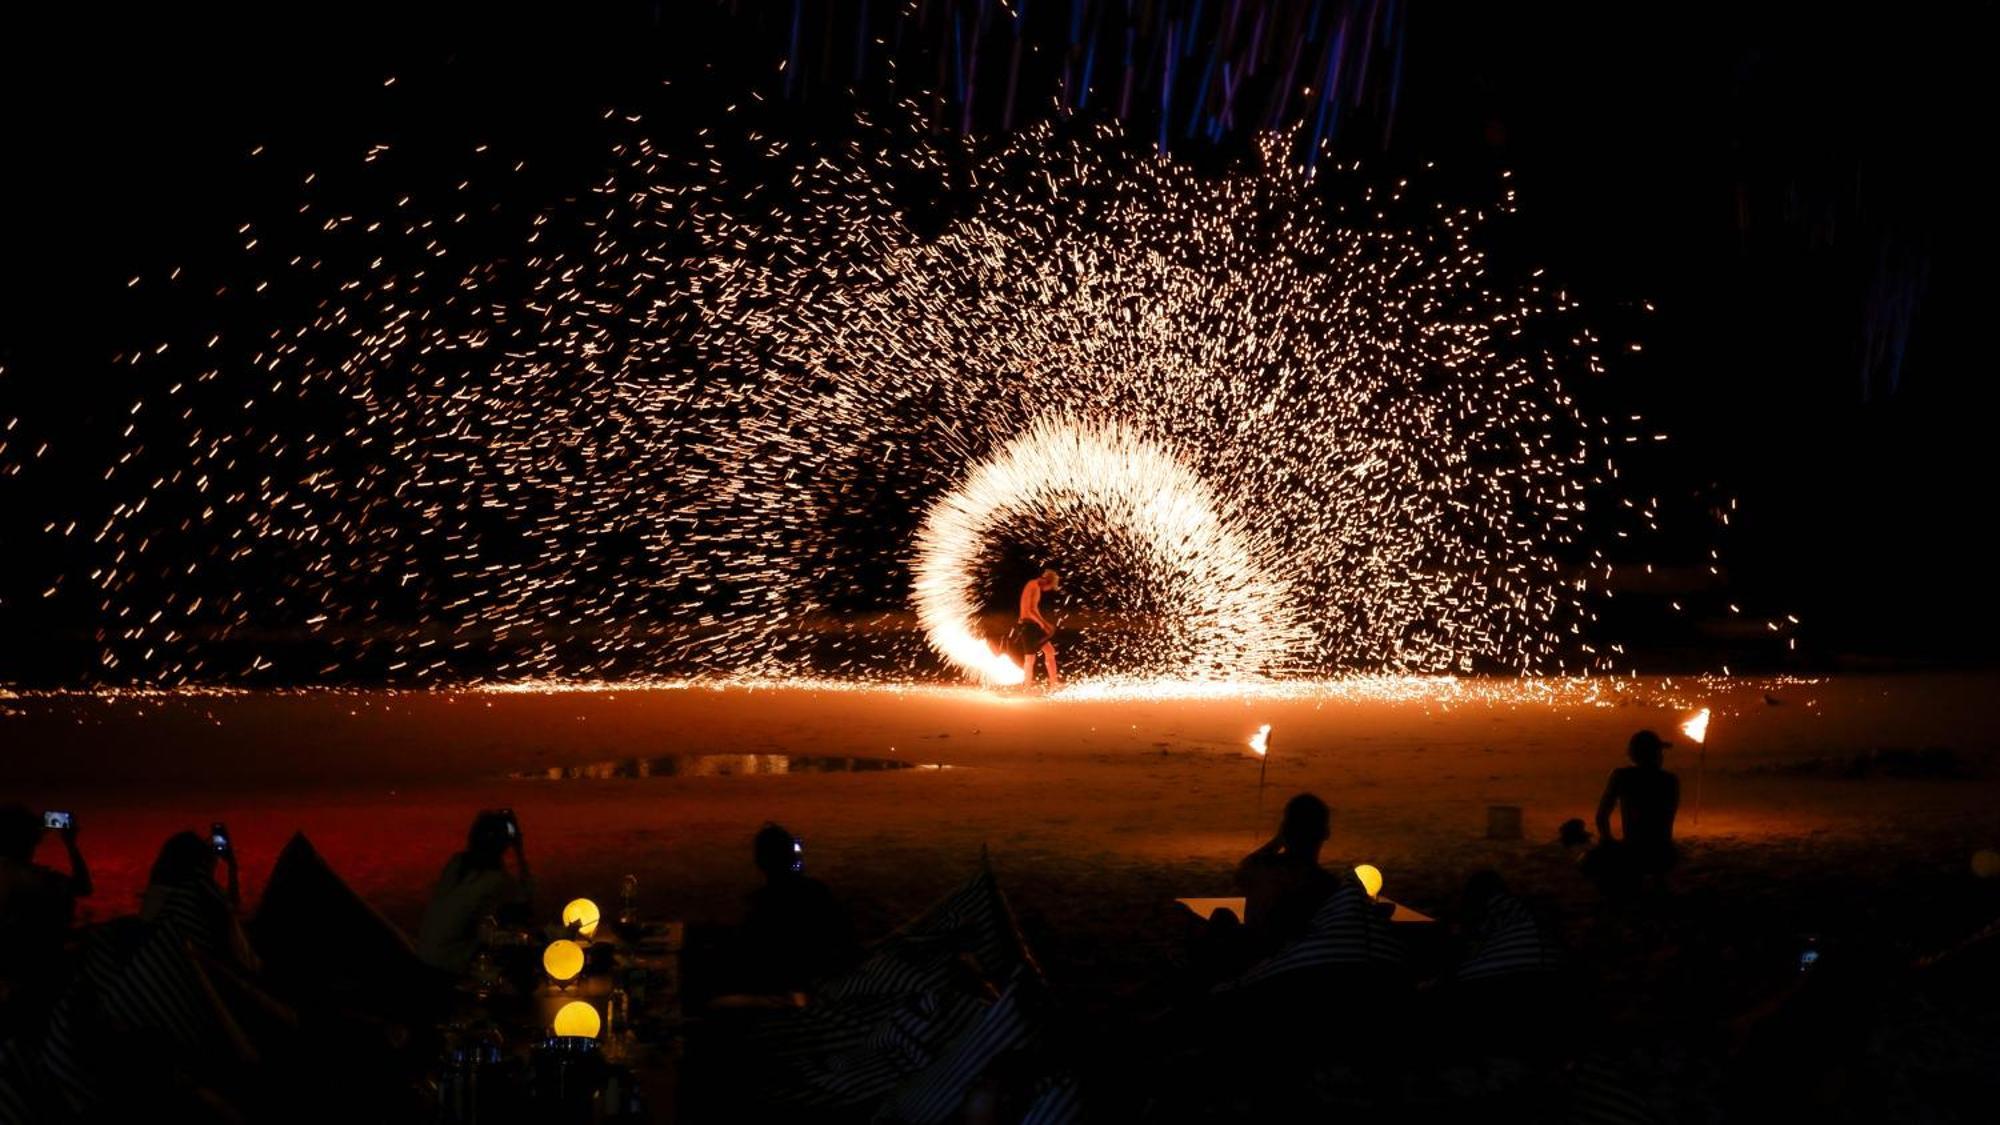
<point x="577" y="1019"/>
<point x="1986" y="863"/>
<point x="584" y="915"/>
<point x="1371" y="878"/>
<point x="563" y="959"/>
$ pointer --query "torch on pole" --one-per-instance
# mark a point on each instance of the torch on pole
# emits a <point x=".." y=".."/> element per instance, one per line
<point x="1260" y="745"/>
<point x="1696" y="729"/>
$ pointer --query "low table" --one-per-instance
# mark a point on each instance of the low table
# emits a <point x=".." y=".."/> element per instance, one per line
<point x="1205" y="908"/>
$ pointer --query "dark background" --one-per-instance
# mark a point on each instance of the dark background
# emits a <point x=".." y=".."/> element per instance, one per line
<point x="1799" y="194"/>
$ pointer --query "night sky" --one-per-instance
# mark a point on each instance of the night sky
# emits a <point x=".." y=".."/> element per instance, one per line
<point x="1796" y="193"/>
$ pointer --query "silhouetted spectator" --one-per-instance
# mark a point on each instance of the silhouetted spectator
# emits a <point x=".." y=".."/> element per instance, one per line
<point x="182" y="896"/>
<point x="1282" y="882"/>
<point x="1573" y="835"/>
<point x="794" y="932"/>
<point x="1647" y="798"/>
<point x="474" y="885"/>
<point x="36" y="907"/>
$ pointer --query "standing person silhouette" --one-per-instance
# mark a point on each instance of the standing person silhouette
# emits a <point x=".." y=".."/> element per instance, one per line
<point x="1035" y="631"/>
<point x="1647" y="797"/>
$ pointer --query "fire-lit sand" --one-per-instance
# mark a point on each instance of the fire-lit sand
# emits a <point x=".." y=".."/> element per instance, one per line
<point x="1096" y="806"/>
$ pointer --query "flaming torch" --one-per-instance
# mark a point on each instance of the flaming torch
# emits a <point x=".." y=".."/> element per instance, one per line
<point x="1260" y="745"/>
<point x="1696" y="729"/>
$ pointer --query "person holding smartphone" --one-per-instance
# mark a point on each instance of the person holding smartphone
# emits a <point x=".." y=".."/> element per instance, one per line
<point x="183" y="896"/>
<point x="475" y="884"/>
<point x="794" y="931"/>
<point x="37" y="905"/>
<point x="21" y="832"/>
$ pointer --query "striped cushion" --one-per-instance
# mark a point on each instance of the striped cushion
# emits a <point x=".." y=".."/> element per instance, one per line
<point x="1599" y="1095"/>
<point x="822" y="1029"/>
<point x="1058" y="1100"/>
<point x="902" y="964"/>
<point x="157" y="989"/>
<point x="934" y="1096"/>
<point x="197" y="913"/>
<point x="1347" y="931"/>
<point x="910" y="1015"/>
<point x="20" y="1094"/>
<point x="1508" y="941"/>
<point x="68" y="1050"/>
<point x="135" y="983"/>
<point x="906" y="1040"/>
<point x="974" y="920"/>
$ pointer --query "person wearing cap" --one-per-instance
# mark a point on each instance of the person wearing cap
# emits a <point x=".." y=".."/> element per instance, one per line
<point x="1646" y="797"/>
<point x="1035" y="631"/>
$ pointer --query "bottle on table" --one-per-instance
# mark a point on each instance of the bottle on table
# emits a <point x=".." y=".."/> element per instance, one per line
<point x="628" y="901"/>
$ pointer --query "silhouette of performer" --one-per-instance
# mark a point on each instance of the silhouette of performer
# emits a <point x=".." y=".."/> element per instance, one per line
<point x="1035" y="631"/>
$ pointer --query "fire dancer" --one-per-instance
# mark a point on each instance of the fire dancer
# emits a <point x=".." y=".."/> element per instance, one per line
<point x="1035" y="632"/>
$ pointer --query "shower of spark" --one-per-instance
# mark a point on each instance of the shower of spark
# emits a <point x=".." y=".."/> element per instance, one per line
<point x="1221" y="618"/>
<point x="707" y="426"/>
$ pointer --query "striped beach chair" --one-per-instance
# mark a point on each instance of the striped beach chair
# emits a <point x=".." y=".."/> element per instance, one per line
<point x="1510" y="942"/>
<point x="933" y="1095"/>
<point x="917" y="1022"/>
<point x="1346" y="933"/>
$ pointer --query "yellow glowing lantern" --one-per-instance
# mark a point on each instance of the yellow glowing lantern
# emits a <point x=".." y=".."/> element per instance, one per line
<point x="1986" y="863"/>
<point x="563" y="959"/>
<point x="583" y="914"/>
<point x="577" y="1019"/>
<point x="1371" y="878"/>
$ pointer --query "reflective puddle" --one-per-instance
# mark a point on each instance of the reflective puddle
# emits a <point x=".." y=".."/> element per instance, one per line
<point x="717" y="765"/>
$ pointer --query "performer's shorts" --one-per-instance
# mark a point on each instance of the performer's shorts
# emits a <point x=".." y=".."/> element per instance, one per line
<point x="1030" y="636"/>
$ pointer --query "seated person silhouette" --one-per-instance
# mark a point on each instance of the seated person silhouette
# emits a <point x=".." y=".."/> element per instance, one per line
<point x="794" y="933"/>
<point x="183" y="897"/>
<point x="1647" y="797"/>
<point x="1282" y="881"/>
<point x="474" y="885"/>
